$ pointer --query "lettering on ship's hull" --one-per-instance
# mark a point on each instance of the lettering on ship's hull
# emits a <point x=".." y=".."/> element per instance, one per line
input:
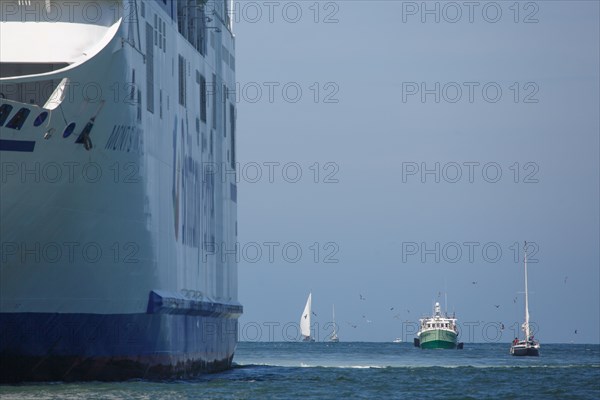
<point x="125" y="138"/>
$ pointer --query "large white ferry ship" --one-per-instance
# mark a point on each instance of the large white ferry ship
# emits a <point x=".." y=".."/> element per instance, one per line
<point x="118" y="217"/>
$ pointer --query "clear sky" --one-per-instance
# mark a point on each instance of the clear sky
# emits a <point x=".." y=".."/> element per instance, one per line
<point x="517" y="94"/>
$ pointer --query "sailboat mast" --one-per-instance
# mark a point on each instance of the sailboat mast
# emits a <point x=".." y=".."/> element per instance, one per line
<point x="526" y="298"/>
<point x="333" y="320"/>
<point x="309" y="303"/>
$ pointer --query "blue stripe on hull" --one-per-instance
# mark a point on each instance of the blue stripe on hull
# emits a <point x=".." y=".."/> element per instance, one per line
<point x="67" y="347"/>
<point x="17" y="145"/>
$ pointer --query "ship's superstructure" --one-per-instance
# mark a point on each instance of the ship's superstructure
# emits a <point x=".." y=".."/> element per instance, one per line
<point x="118" y="192"/>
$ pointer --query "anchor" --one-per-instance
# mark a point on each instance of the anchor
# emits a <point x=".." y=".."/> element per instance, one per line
<point x="84" y="136"/>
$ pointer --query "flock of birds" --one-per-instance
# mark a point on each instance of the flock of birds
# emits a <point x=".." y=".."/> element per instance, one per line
<point x="399" y="315"/>
<point x="367" y="320"/>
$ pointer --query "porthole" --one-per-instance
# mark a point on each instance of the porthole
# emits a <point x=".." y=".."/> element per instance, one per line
<point x="69" y="130"/>
<point x="40" y="118"/>
<point x="19" y="119"/>
<point x="5" y="110"/>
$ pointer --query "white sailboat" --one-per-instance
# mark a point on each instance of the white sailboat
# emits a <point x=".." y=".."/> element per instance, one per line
<point x="528" y="346"/>
<point x="305" y="321"/>
<point x="334" y="337"/>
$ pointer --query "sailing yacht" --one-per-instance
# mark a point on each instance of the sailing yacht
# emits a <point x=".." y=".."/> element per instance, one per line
<point x="528" y="346"/>
<point x="305" y="321"/>
<point x="334" y="337"/>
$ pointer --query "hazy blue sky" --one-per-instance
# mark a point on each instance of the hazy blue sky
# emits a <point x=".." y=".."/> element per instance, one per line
<point x="378" y="220"/>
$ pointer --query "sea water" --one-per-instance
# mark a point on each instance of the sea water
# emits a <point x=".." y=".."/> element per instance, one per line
<point x="357" y="370"/>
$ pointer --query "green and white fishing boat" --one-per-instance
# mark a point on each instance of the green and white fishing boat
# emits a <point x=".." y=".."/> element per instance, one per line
<point x="438" y="331"/>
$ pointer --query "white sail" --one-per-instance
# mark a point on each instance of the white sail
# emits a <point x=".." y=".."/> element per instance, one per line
<point x="305" y="319"/>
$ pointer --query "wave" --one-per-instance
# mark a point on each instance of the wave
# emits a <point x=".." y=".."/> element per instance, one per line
<point x="302" y="365"/>
<point x="411" y="367"/>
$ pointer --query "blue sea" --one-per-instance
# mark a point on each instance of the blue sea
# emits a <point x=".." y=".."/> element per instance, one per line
<point x="363" y="371"/>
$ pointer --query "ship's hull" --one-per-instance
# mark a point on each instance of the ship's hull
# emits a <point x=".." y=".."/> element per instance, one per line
<point x="438" y="339"/>
<point x="118" y="227"/>
<point x="525" y="351"/>
<point x="79" y="347"/>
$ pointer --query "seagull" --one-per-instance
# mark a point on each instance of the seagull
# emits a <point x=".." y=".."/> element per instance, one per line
<point x="576" y="331"/>
<point x="314" y="314"/>
<point x="352" y="325"/>
<point x="361" y="297"/>
<point x="474" y="283"/>
<point x="497" y="305"/>
<point x="515" y="300"/>
<point x="408" y="311"/>
<point x="501" y="326"/>
<point x="391" y="308"/>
